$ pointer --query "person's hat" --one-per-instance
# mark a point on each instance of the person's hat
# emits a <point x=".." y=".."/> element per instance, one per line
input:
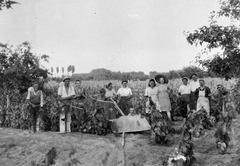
<point x="184" y="78"/>
<point x="157" y="77"/>
<point x="66" y="78"/>
<point x="194" y="74"/>
<point x="201" y="79"/>
<point x="124" y="81"/>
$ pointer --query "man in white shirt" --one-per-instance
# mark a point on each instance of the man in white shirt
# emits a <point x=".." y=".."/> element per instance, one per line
<point x="184" y="92"/>
<point x="194" y="84"/>
<point x="65" y="94"/>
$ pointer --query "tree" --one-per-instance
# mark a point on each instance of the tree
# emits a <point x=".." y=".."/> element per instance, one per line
<point x="7" y="4"/>
<point x="227" y="63"/>
<point x="69" y="69"/>
<point x="57" y="69"/>
<point x="73" y="69"/>
<point x="52" y="70"/>
<point x="62" y="70"/>
<point x="20" y="67"/>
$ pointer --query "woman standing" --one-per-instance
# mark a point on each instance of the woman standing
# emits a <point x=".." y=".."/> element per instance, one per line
<point x="203" y="94"/>
<point x="110" y="92"/>
<point x="151" y="93"/>
<point x="163" y="96"/>
<point x="125" y="95"/>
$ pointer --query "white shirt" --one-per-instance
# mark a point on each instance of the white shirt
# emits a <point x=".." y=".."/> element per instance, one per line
<point x="194" y="85"/>
<point x="110" y="93"/>
<point x="124" y="91"/>
<point x="63" y="93"/>
<point x="184" y="89"/>
<point x="152" y="92"/>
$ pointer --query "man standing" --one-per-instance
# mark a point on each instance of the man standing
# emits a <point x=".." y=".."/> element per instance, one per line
<point x="65" y="94"/>
<point x="35" y="101"/>
<point x="184" y="92"/>
<point x="194" y="84"/>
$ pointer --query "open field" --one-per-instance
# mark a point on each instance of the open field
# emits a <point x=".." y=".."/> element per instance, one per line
<point x="18" y="147"/>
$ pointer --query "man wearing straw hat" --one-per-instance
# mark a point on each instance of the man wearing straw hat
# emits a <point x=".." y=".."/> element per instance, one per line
<point x="65" y="94"/>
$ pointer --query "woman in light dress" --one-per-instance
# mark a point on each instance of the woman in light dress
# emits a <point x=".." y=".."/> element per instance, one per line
<point x="163" y="94"/>
<point x="151" y="93"/>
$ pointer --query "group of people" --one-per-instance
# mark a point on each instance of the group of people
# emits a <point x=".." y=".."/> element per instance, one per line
<point x="193" y="96"/>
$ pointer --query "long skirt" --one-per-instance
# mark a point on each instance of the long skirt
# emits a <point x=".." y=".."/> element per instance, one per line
<point x="125" y="104"/>
<point x="110" y="111"/>
<point x="203" y="102"/>
<point x="164" y="101"/>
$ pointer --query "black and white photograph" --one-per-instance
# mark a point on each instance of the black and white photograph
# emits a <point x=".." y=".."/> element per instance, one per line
<point x="119" y="82"/>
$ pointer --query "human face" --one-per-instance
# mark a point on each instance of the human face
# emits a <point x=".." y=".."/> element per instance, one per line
<point x="35" y="87"/>
<point x="201" y="83"/>
<point x="78" y="84"/>
<point x="110" y="87"/>
<point x="185" y="81"/>
<point x="66" y="82"/>
<point x="124" y="84"/>
<point x="194" y="77"/>
<point x="161" y="80"/>
<point x="151" y="84"/>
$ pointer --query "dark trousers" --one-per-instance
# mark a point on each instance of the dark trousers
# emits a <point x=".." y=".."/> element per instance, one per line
<point x="193" y="101"/>
<point x="33" y="117"/>
<point x="125" y="104"/>
<point x="184" y="102"/>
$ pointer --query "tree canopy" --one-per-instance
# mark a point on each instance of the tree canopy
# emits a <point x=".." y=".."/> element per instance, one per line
<point x="227" y="62"/>
<point x="19" y="67"/>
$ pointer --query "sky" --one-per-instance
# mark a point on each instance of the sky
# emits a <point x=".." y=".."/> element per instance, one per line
<point x="119" y="35"/>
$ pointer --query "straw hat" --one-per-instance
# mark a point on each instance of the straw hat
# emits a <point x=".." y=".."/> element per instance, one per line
<point x="157" y="77"/>
<point x="66" y="78"/>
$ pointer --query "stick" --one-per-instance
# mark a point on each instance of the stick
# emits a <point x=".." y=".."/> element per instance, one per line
<point x="116" y="106"/>
<point x="123" y="150"/>
<point x="76" y="107"/>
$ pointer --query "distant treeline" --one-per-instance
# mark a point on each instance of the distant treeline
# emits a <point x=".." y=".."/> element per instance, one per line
<point x="105" y="74"/>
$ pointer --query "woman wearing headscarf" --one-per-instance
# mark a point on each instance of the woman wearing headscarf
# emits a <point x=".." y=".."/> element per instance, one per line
<point x="125" y="95"/>
<point x="151" y="93"/>
<point x="163" y="96"/>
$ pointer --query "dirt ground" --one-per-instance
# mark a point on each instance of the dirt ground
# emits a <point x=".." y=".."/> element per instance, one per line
<point x="18" y="147"/>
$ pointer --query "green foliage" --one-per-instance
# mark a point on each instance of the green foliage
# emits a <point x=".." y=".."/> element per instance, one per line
<point x="225" y="64"/>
